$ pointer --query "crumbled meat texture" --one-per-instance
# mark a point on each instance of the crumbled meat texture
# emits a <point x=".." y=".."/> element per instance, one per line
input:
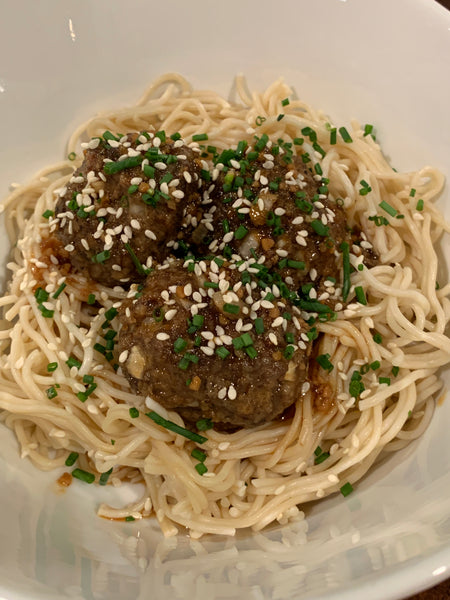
<point x="267" y="201"/>
<point x="114" y="225"/>
<point x="172" y="334"/>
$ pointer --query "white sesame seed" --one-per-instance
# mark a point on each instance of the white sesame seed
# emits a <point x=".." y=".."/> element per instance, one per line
<point x="222" y="393"/>
<point x="123" y="356"/>
<point x="273" y="339"/>
<point x="170" y="314"/>
<point x="162" y="336"/>
<point x="263" y="180"/>
<point x="160" y="166"/>
<point x="207" y="350"/>
<point x="277" y="322"/>
<point x="232" y="392"/>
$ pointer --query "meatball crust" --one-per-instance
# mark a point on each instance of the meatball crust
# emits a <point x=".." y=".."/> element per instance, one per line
<point x="203" y="343"/>
<point x="124" y="205"/>
<point x="264" y="199"/>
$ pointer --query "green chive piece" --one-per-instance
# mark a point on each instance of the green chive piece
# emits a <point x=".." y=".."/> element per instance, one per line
<point x="318" y="451"/>
<point x="51" y="392"/>
<point x="319" y="459"/>
<point x="395" y="371"/>
<point x="71" y="459"/>
<point x="280" y="117"/>
<point x="259" y="325"/>
<point x="240" y="232"/>
<point x="73" y="362"/>
<point x="179" y="345"/>
<point x="346" y="489"/>
<point x="375" y="365"/>
<point x="233" y="309"/>
<point x="345" y="249"/>
<point x="83" y="475"/>
<point x="412" y="193"/>
<point x="377" y="338"/>
<point x="388" y="208"/>
<point x="222" y="352"/>
<point x="198" y="454"/>
<point x="333" y="136"/>
<point x="52" y="367"/>
<point x="169" y="425"/>
<point x="200" y="137"/>
<point x="201" y="468"/>
<point x="134" y="413"/>
<point x="345" y="135"/>
<point x="127" y="163"/>
<point x="91" y="299"/>
<point x="325" y="363"/>
<point x="419" y="205"/>
<point x="204" y="424"/>
<point x="386" y="380"/>
<point x="47" y="214"/>
<point x="101" y="257"/>
<point x="251" y="351"/>
<point x="285" y="102"/>
<point x="289" y="352"/>
<point x="320" y="228"/>
<point x="360" y="295"/>
<point x="105" y="476"/>
<point x="198" y="320"/>
<point x="368" y="129"/>
<point x="72" y="156"/>
<point x="129" y="518"/>
<point x="59" y="290"/>
<point x="295" y="264"/>
<point x="137" y="263"/>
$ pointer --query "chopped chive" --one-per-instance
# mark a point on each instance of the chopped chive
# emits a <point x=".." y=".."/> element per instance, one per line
<point x="47" y="214"/>
<point x="195" y="437"/>
<point x="259" y="325"/>
<point x="384" y="380"/>
<point x="137" y="263"/>
<point x="105" y="476"/>
<point x="121" y="165"/>
<point x="201" y="468"/>
<point x="129" y="518"/>
<point x="333" y="136"/>
<point x="222" y="352"/>
<point x="346" y="489"/>
<point x="198" y="320"/>
<point x="73" y="362"/>
<point x="298" y="141"/>
<point x="175" y="136"/>
<point x="259" y="121"/>
<point x="238" y="344"/>
<point x="325" y="363"/>
<point x="295" y="264"/>
<point x="134" y="413"/>
<point x="107" y="135"/>
<point x="51" y="392"/>
<point x="319" y="459"/>
<point x="45" y="312"/>
<point x="419" y="205"/>
<point x="149" y="171"/>
<point x="247" y="339"/>
<point x="280" y="117"/>
<point x="52" y="367"/>
<point x="132" y="189"/>
<point x="59" y="290"/>
<point x="289" y="352"/>
<point x="72" y="156"/>
<point x="395" y="371"/>
<point x="368" y="129"/>
<point x="211" y="284"/>
<point x="318" y="451"/>
<point x="198" y="454"/>
<point x="388" y="208"/>
<point x="345" y="135"/>
<point x="360" y="295"/>
<point x="204" y="424"/>
<point x="412" y="193"/>
<point x="377" y="338"/>
<point x="101" y="256"/>
<point x="289" y="337"/>
<point x="41" y="295"/>
<point x="346" y="270"/>
<point x="251" y="351"/>
<point x="179" y="345"/>
<point x="71" y="459"/>
<point x="83" y="475"/>
<point x="200" y="137"/>
<point x="91" y="299"/>
<point x="375" y="365"/>
<point x="379" y="220"/>
<point x="320" y="228"/>
<point x="233" y="309"/>
<point x="240" y="232"/>
<point x="285" y="102"/>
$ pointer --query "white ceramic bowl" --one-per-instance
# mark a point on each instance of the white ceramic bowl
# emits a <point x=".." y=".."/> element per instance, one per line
<point x="383" y="61"/>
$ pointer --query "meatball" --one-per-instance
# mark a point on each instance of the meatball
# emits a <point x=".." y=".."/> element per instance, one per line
<point x="124" y="206"/>
<point x="206" y="340"/>
<point x="264" y="200"/>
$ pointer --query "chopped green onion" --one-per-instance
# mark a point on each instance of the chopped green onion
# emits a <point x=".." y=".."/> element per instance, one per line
<point x="134" y="413"/>
<point x="201" y="468"/>
<point x="198" y="320"/>
<point x="101" y="256"/>
<point x="51" y="392"/>
<point x="52" y="367"/>
<point x="41" y="295"/>
<point x="320" y="228"/>
<point x="200" y="137"/>
<point x="346" y="489"/>
<point x="47" y="214"/>
<point x="149" y="171"/>
<point x="289" y="352"/>
<point x="132" y="189"/>
<point x="412" y="193"/>
<point x="419" y="205"/>
<point x="198" y="454"/>
<point x="345" y="135"/>
<point x="319" y="459"/>
<point x="129" y="518"/>
<point x="179" y="345"/>
<point x="59" y="290"/>
<point x="222" y="352"/>
<point x="260" y="120"/>
<point x="395" y="371"/>
<point x="137" y="263"/>
<point x="83" y="475"/>
<point x="377" y="338"/>
<point x="368" y="129"/>
<point x="71" y="459"/>
<point x="346" y="270"/>
<point x="365" y="188"/>
<point x="72" y="156"/>
<point x="91" y="299"/>
<point x="386" y="380"/>
<point x="195" y="437"/>
<point x="233" y="309"/>
<point x="251" y="351"/>
<point x="204" y="424"/>
<point x="240" y="232"/>
<point x="360" y="295"/>
<point x="375" y="365"/>
<point x="318" y="451"/>
<point x="324" y="362"/>
<point x="280" y="117"/>
<point x="259" y="325"/>
<point x="285" y="102"/>
<point x="295" y="264"/>
<point x="388" y="208"/>
<point x="333" y="136"/>
<point x="73" y="362"/>
<point x="105" y="476"/>
<point x="121" y="165"/>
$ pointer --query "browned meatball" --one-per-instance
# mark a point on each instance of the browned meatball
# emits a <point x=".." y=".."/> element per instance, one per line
<point x="200" y="341"/>
<point x="264" y="200"/>
<point x="123" y="207"/>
